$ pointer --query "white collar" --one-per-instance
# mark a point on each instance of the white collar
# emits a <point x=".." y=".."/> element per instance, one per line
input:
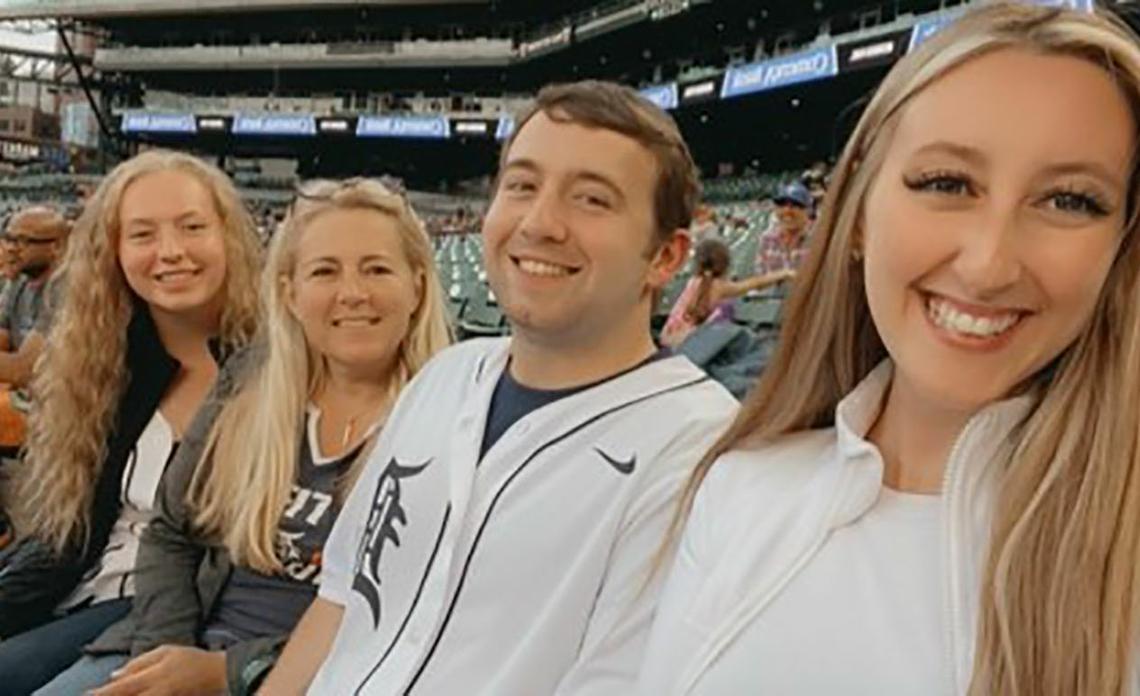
<point x="973" y="451"/>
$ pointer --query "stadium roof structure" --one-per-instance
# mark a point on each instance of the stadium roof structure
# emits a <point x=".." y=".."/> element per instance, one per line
<point x="19" y="9"/>
<point x="767" y="84"/>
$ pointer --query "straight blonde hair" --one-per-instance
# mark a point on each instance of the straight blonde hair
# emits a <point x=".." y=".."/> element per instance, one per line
<point x="81" y="377"/>
<point x="243" y="482"/>
<point x="1059" y="598"/>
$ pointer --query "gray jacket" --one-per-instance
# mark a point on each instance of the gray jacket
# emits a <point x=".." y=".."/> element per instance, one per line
<point x="179" y="574"/>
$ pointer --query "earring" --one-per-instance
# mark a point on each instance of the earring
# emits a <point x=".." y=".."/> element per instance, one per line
<point x="857" y="255"/>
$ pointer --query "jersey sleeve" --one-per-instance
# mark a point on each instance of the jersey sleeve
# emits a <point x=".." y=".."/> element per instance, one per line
<point x="672" y="639"/>
<point x="614" y="646"/>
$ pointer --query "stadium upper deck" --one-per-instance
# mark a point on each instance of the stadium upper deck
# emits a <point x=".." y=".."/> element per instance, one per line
<point x="423" y="86"/>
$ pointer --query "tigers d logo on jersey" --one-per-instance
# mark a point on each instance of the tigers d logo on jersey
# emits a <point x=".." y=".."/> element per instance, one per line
<point x="387" y="511"/>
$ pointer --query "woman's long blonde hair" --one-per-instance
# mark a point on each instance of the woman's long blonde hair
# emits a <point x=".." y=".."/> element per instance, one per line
<point x="81" y="377"/>
<point x="1059" y="599"/>
<point x="243" y="483"/>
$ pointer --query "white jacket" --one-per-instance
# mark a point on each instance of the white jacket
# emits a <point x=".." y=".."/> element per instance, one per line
<point x="765" y="510"/>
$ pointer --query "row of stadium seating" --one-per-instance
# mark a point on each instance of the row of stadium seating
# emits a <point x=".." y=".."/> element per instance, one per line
<point x="751" y="187"/>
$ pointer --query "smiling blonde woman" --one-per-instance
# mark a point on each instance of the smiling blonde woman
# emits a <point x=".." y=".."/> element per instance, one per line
<point x="935" y="487"/>
<point x="160" y="285"/>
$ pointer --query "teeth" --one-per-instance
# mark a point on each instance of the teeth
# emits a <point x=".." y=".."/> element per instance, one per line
<point x="950" y="318"/>
<point x="174" y="274"/>
<point x="541" y="268"/>
<point x="355" y="321"/>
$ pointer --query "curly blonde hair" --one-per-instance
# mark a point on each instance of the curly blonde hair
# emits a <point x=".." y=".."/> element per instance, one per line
<point x="249" y="464"/>
<point x="82" y="375"/>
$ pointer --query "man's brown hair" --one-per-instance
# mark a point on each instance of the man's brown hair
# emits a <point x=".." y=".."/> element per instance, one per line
<point x="618" y="108"/>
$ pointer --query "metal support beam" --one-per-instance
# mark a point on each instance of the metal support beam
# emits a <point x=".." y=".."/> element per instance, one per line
<point x="104" y="126"/>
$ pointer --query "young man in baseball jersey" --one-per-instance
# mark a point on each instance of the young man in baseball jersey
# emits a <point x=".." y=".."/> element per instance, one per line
<point x="502" y="537"/>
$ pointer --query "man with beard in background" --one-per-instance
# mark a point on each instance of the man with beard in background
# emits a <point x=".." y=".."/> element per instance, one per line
<point x="39" y="235"/>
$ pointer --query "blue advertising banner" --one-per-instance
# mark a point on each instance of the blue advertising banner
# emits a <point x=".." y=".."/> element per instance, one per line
<point x="142" y="122"/>
<point x="435" y="127"/>
<point x="926" y="28"/>
<point x="664" y="96"/>
<point x="506" y="127"/>
<point x="275" y="124"/>
<point x="805" y="66"/>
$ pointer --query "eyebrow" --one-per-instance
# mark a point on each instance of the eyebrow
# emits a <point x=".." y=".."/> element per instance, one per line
<point x="963" y="152"/>
<point x="1094" y="169"/>
<point x="332" y="259"/>
<point x="595" y="177"/>
<point x="575" y="175"/>
<point x="152" y="221"/>
<point x="522" y="163"/>
<point x="976" y="157"/>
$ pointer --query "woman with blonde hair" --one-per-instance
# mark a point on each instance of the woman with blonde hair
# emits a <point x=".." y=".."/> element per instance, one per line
<point x="159" y="284"/>
<point x="936" y="486"/>
<point x="353" y="310"/>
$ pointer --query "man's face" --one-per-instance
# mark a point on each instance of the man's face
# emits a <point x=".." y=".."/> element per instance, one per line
<point x="793" y="217"/>
<point x="36" y="238"/>
<point x="569" y="234"/>
<point x="9" y="257"/>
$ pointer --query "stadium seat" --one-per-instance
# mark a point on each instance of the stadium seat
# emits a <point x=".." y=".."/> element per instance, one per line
<point x="758" y="312"/>
<point x="481" y="315"/>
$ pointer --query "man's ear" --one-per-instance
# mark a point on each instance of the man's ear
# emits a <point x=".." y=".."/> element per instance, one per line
<point x="669" y="258"/>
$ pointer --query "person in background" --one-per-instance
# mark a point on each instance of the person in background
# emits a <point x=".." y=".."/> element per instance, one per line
<point x="815" y="180"/>
<point x="9" y="266"/>
<point x="233" y="556"/>
<point x="935" y="488"/>
<point x="160" y="287"/>
<point x="39" y="236"/>
<point x="709" y="294"/>
<point x="12" y="420"/>
<point x="783" y="245"/>
<point x="705" y="224"/>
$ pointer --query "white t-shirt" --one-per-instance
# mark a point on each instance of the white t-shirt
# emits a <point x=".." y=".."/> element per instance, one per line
<point x="523" y="573"/>
<point x="864" y="617"/>
<point x="113" y="577"/>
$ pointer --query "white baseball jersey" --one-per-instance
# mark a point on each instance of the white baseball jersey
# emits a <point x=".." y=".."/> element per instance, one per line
<point x="526" y="573"/>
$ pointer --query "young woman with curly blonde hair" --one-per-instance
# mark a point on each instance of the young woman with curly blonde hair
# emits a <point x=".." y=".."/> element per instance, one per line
<point x="159" y="284"/>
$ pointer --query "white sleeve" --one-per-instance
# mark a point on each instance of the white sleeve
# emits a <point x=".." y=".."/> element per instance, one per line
<point x="338" y="558"/>
<point x="673" y="639"/>
<point x="614" y="645"/>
